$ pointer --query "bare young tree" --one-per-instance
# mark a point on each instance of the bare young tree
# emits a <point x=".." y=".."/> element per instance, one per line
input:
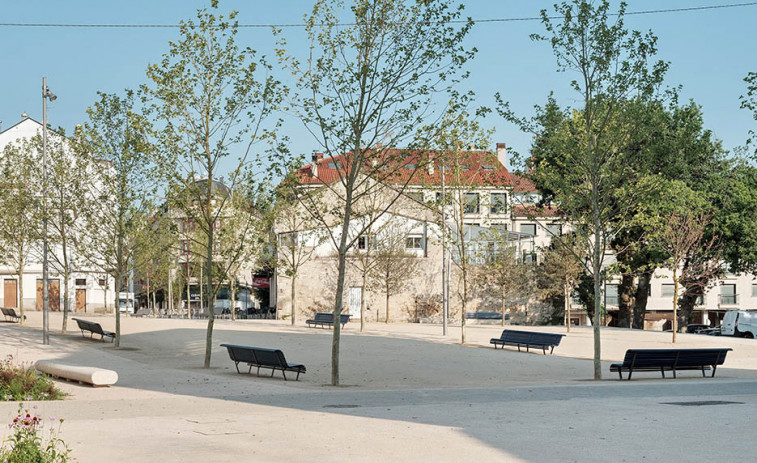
<point x="210" y="99"/>
<point x="366" y="85"/>
<point x="20" y="223"/>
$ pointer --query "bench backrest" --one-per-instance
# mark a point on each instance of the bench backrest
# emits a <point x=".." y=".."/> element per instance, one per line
<point x="324" y="317"/>
<point x="89" y="326"/>
<point x="526" y="337"/>
<point x="256" y="355"/>
<point x="678" y="357"/>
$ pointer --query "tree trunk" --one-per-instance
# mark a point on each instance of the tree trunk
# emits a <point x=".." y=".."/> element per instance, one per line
<point x="465" y="299"/>
<point x="675" y="300"/>
<point x="66" y="281"/>
<point x="597" y="274"/>
<point x="189" y="295"/>
<point x="362" y="304"/>
<point x="233" y="304"/>
<point x="388" y="292"/>
<point x="640" y="300"/>
<point x="686" y="304"/>
<point x="503" y="303"/>
<point x="117" y="340"/>
<point x="211" y="294"/>
<point x="567" y="305"/>
<point x="341" y="268"/>
<point x="294" y="298"/>
<point x="625" y="302"/>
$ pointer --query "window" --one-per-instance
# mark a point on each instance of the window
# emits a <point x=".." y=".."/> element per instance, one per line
<point x="216" y="246"/>
<point x="101" y="282"/>
<point x="188" y="225"/>
<point x="529" y="257"/>
<point x="728" y="294"/>
<point x="414" y="242"/>
<point x="363" y="243"/>
<point x="217" y="224"/>
<point x="754" y="290"/>
<point x="498" y="203"/>
<point x="487" y="167"/>
<point x="500" y="228"/>
<point x="439" y="197"/>
<point x="529" y="228"/>
<point x="81" y="282"/>
<point x="410" y="166"/>
<point x="471" y="203"/>
<point x="185" y="246"/>
<point x="668" y="290"/>
<point x="699" y="301"/>
<point x="554" y="229"/>
<point x="611" y="295"/>
<point x="415" y="195"/>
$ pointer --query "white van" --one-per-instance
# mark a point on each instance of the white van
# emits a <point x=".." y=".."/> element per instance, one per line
<point x="739" y="323"/>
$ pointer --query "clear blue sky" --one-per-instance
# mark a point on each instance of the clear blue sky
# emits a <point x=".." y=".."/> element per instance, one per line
<point x="710" y="53"/>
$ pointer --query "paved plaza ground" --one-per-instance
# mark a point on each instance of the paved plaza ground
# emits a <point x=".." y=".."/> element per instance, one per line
<point x="408" y="394"/>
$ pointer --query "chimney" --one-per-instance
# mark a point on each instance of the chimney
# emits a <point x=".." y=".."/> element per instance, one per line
<point x="24" y="116"/>
<point x="379" y="145"/>
<point x="316" y="158"/>
<point x="502" y="154"/>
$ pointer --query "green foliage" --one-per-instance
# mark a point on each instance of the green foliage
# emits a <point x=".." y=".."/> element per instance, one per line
<point x="26" y="445"/>
<point x="19" y="381"/>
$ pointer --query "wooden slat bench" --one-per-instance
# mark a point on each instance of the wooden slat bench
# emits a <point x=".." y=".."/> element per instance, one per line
<point x="327" y="319"/>
<point x="528" y="339"/>
<point x="261" y="357"/>
<point x="484" y="316"/>
<point x="94" y="328"/>
<point x="670" y="360"/>
<point x="10" y="314"/>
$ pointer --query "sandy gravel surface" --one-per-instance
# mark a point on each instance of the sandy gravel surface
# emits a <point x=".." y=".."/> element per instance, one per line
<point x="408" y="394"/>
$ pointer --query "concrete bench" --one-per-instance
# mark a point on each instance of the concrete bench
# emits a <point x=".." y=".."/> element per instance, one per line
<point x="97" y="377"/>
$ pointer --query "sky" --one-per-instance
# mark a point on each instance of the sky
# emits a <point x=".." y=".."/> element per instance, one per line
<point x="710" y="52"/>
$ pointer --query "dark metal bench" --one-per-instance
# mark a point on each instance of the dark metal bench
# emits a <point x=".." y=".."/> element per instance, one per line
<point x="327" y="319"/>
<point x="484" y="316"/>
<point x="670" y="360"/>
<point x="10" y="314"/>
<point x="261" y="357"/>
<point x="528" y="339"/>
<point x="94" y="328"/>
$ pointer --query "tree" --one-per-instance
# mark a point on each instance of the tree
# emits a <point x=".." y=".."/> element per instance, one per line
<point x="209" y="98"/>
<point x="154" y="256"/>
<point x="393" y="265"/>
<point x="69" y="173"/>
<point x="561" y="269"/>
<point x="120" y="190"/>
<point x="20" y="211"/>
<point x="592" y="177"/>
<point x="367" y="85"/>
<point x="749" y="102"/>
<point x="693" y="257"/>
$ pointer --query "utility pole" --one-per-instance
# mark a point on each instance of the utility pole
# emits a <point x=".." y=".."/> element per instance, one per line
<point x="46" y="94"/>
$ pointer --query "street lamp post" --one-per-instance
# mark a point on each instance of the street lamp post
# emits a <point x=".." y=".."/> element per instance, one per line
<point x="46" y="94"/>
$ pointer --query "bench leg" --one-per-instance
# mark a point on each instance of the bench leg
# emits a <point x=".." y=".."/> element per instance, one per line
<point x="674" y="373"/>
<point x="298" y="375"/>
<point x="620" y="373"/>
<point x="285" y="374"/>
<point x="630" y="372"/>
<point x="703" y="375"/>
<point x="714" y="367"/>
<point x="662" y="370"/>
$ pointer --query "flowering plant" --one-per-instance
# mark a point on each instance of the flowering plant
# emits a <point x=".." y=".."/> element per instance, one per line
<point x="25" y="445"/>
<point x="20" y="381"/>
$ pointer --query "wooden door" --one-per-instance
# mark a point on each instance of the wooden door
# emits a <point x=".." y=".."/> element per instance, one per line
<point x="10" y="294"/>
<point x="81" y="300"/>
<point x="53" y="295"/>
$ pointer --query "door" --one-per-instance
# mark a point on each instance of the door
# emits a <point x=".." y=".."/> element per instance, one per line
<point x="81" y="300"/>
<point x="53" y="295"/>
<point x="356" y="298"/>
<point x="10" y="294"/>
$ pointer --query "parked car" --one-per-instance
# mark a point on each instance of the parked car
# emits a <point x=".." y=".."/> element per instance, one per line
<point x="741" y="323"/>
<point x="696" y="328"/>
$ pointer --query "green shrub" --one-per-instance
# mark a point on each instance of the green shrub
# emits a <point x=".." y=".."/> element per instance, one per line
<point x="20" y="381"/>
<point x="25" y="445"/>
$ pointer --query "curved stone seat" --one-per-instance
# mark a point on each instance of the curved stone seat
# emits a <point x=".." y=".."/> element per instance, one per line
<point x="89" y="375"/>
